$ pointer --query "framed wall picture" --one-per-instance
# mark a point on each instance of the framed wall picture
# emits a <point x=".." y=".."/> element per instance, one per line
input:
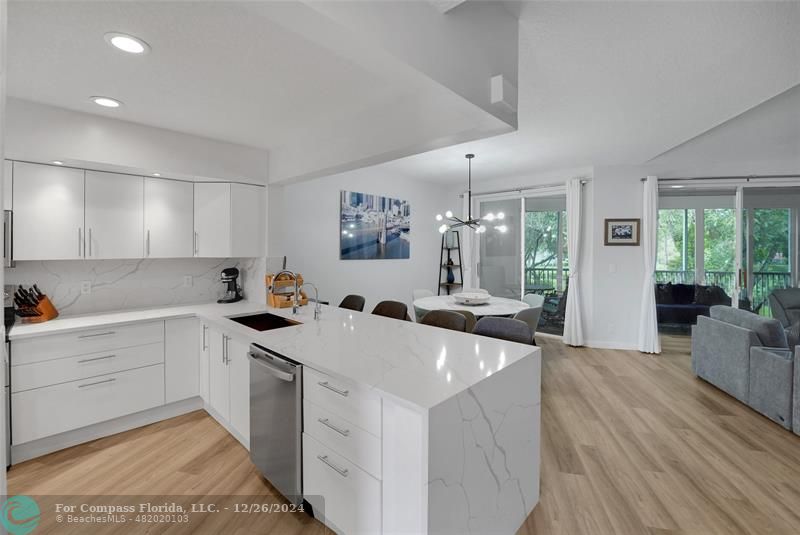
<point x="373" y="227"/>
<point x="622" y="231"/>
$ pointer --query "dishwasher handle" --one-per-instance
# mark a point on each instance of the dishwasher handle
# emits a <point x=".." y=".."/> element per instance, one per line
<point x="280" y="374"/>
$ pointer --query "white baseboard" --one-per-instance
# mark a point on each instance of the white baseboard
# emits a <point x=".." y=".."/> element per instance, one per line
<point x="43" y="446"/>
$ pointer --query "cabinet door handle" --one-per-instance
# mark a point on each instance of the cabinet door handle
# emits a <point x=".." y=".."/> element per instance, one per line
<point x="98" y="383"/>
<point x="90" y="241"/>
<point x="326" y="384"/>
<point x="327" y="423"/>
<point x="96" y="358"/>
<point x="224" y="349"/>
<point x="196" y="242"/>
<point x="80" y="245"/>
<point x="341" y="471"/>
<point x="205" y="346"/>
<point x="107" y="333"/>
<point x="148" y="242"/>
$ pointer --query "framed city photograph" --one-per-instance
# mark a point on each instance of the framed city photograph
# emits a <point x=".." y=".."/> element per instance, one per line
<point x="374" y="227"/>
<point x="622" y="231"/>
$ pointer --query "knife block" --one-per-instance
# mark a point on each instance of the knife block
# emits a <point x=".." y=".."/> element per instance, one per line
<point x="47" y="311"/>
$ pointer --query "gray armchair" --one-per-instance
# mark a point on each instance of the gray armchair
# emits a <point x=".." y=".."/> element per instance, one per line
<point x="785" y="305"/>
<point x="747" y="356"/>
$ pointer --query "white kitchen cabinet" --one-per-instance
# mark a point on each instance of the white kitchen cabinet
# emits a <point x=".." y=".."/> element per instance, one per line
<point x="239" y="383"/>
<point x="248" y="220"/>
<point x="218" y="384"/>
<point x="204" y="360"/>
<point x="212" y="220"/>
<point x="8" y="184"/>
<point x="114" y="215"/>
<point x="181" y="359"/>
<point x="229" y="220"/>
<point x="48" y="212"/>
<point x="168" y="218"/>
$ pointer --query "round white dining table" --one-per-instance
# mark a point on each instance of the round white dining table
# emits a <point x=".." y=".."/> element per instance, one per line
<point x="497" y="306"/>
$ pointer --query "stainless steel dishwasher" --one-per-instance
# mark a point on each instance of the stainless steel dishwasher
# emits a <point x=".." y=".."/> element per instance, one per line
<point x="276" y="421"/>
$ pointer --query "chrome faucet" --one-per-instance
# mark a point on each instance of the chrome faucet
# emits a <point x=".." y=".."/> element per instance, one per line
<point x="317" y="306"/>
<point x="295" y="301"/>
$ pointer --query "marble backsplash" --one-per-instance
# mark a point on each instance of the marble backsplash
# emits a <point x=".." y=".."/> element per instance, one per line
<point x="136" y="283"/>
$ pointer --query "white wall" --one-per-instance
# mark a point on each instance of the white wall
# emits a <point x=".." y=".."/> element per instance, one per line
<point x="304" y="226"/>
<point x="41" y="133"/>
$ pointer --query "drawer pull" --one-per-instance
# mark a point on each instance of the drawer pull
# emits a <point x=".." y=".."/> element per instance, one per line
<point x="98" y="383"/>
<point x="96" y="358"/>
<point x="327" y="423"/>
<point x="341" y="471"/>
<point x="107" y="333"/>
<point x="327" y="385"/>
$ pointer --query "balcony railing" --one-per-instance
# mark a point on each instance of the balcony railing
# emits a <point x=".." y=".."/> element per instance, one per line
<point x="763" y="283"/>
<point x="545" y="278"/>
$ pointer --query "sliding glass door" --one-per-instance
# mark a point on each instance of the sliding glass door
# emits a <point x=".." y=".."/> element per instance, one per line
<point x="499" y="267"/>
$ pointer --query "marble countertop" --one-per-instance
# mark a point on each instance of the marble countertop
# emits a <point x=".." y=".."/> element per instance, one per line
<point x="415" y="364"/>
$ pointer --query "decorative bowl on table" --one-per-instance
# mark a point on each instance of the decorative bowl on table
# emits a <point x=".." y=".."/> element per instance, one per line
<point x="472" y="298"/>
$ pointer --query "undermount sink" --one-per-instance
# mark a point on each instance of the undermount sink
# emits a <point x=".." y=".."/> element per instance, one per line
<point x="264" y="321"/>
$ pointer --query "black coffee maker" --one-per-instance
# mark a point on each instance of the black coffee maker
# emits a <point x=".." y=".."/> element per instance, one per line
<point x="233" y="292"/>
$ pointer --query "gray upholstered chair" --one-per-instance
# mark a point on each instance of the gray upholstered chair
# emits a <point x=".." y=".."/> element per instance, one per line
<point x="785" y="305"/>
<point x="504" y="328"/>
<point x="531" y="317"/>
<point x="747" y="356"/>
<point x="419" y="313"/>
<point x="446" y="319"/>
<point x="471" y="319"/>
<point x="392" y="309"/>
<point x="353" y="302"/>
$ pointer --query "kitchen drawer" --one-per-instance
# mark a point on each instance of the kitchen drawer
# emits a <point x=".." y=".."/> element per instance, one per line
<point x="55" y="409"/>
<point x="343" y="496"/>
<point x="343" y="437"/>
<point x="357" y="405"/>
<point x="55" y="346"/>
<point x="51" y="372"/>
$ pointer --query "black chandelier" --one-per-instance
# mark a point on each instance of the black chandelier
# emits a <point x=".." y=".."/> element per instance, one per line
<point x="473" y="223"/>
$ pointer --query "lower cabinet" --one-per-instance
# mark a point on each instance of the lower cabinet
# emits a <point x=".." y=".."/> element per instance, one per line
<point x="181" y="359"/>
<point x="62" y="407"/>
<point x="343" y="496"/>
<point x="228" y="380"/>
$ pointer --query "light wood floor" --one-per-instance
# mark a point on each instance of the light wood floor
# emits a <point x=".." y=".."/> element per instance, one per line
<point x="631" y="444"/>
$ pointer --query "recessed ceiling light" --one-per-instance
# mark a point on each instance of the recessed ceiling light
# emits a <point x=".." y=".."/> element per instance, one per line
<point x="156" y="174"/>
<point x="106" y="102"/>
<point x="127" y="43"/>
<point x="57" y="162"/>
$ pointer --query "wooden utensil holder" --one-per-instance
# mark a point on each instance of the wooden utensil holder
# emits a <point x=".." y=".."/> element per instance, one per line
<point x="47" y="311"/>
<point x="284" y="299"/>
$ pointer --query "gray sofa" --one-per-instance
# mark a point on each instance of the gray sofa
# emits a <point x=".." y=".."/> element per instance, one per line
<point x="749" y="357"/>
<point x="785" y="305"/>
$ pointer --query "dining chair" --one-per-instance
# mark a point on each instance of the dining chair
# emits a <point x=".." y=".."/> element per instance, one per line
<point x="392" y="309"/>
<point x="531" y="317"/>
<point x="534" y="300"/>
<point x="509" y="329"/>
<point x="419" y="313"/>
<point x="353" y="302"/>
<point x="446" y="319"/>
<point x="471" y="319"/>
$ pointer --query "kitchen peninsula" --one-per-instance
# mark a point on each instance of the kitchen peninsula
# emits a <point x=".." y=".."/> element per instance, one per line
<point x="445" y="425"/>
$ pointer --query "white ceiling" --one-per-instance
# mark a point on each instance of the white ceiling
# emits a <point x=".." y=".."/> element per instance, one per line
<point x="216" y="69"/>
<point x="604" y="83"/>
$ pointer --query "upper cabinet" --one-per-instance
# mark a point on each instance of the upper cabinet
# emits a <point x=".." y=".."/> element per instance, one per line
<point x="8" y="173"/>
<point x="48" y="212"/>
<point x="62" y="213"/>
<point x="114" y="215"/>
<point x="228" y="220"/>
<point x="168" y="218"/>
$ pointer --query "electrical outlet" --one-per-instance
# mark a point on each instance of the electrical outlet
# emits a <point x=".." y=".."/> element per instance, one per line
<point x="187" y="281"/>
<point x="86" y="287"/>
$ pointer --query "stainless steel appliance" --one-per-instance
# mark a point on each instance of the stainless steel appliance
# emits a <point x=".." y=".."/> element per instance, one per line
<point x="276" y="421"/>
<point x="8" y="238"/>
<point x="233" y="292"/>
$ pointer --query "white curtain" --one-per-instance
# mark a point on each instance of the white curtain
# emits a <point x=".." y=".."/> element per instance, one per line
<point x="648" y="322"/>
<point x="573" y="323"/>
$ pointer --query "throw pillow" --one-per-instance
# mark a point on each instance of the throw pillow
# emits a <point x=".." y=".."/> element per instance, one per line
<point x="664" y="294"/>
<point x="703" y="295"/>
